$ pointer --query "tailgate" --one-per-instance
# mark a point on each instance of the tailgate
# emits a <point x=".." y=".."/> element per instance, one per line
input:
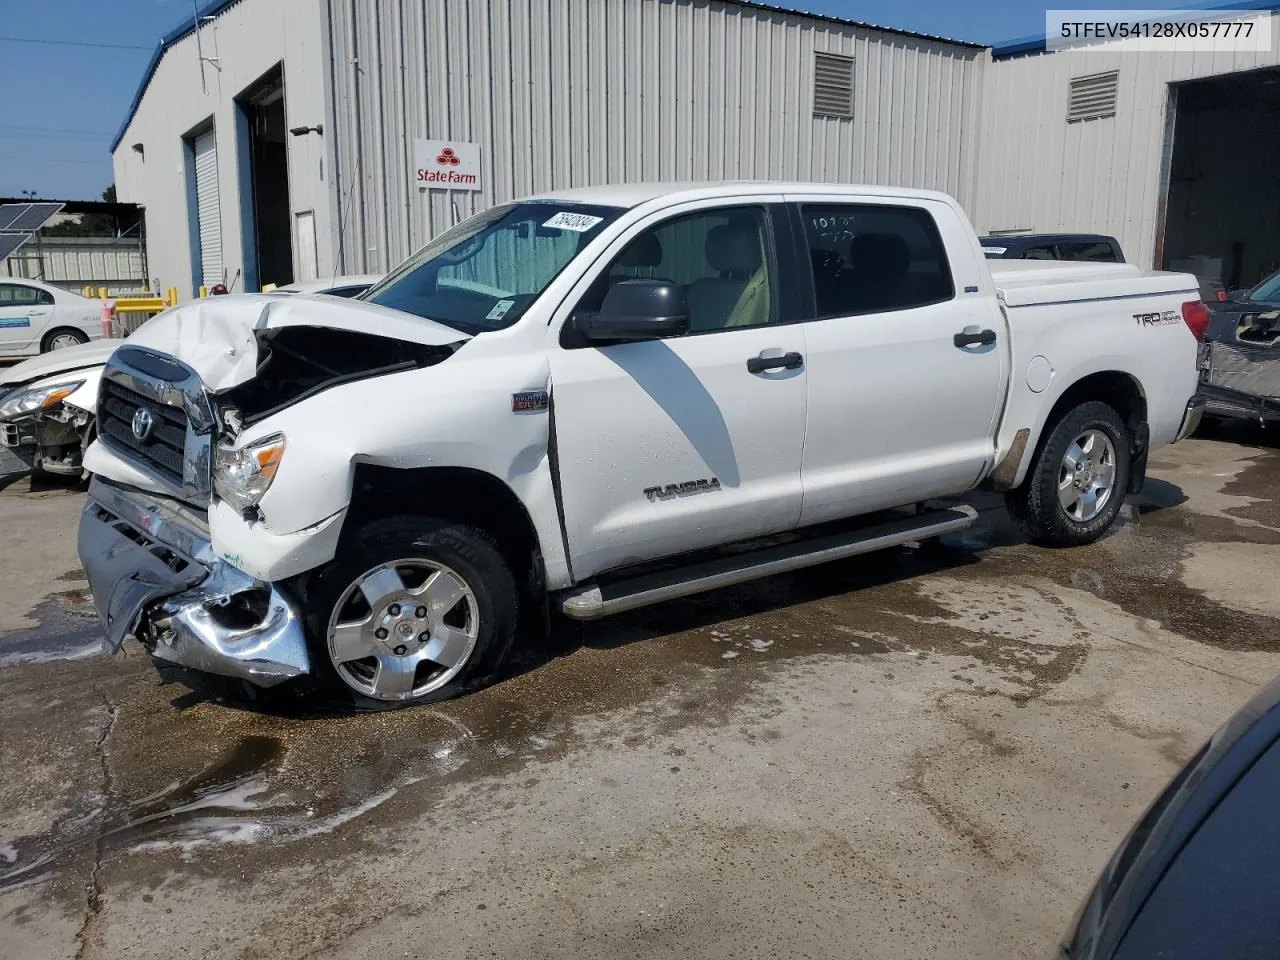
<point x="1244" y="353"/>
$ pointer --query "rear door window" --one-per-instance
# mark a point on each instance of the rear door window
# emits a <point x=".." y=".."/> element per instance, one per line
<point x="872" y="258"/>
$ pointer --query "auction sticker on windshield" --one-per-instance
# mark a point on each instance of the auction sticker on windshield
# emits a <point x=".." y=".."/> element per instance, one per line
<point x="578" y="222"/>
<point x="500" y="309"/>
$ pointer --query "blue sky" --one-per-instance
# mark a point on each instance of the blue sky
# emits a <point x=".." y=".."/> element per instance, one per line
<point x="62" y="102"/>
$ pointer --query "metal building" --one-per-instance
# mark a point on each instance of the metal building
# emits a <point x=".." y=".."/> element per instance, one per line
<point x="1170" y="152"/>
<point x="280" y="139"/>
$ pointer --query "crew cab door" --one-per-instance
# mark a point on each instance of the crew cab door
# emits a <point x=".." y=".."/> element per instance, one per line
<point x="24" y="313"/>
<point x="666" y="446"/>
<point x="907" y="356"/>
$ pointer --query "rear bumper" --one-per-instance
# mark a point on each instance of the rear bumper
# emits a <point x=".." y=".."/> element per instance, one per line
<point x="1191" y="418"/>
<point x="155" y="578"/>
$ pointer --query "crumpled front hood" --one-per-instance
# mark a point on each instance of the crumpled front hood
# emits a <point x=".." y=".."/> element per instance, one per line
<point x="79" y="357"/>
<point x="217" y="336"/>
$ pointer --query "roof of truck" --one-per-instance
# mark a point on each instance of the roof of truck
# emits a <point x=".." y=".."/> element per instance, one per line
<point x="633" y="194"/>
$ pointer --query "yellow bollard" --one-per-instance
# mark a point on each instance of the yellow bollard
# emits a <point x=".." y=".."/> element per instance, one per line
<point x="102" y="293"/>
<point x="204" y="291"/>
<point x="172" y="297"/>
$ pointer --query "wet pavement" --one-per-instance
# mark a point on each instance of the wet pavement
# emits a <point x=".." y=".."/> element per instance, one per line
<point x="919" y="753"/>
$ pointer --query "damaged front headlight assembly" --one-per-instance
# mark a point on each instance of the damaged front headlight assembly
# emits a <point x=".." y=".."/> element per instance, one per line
<point x="242" y="476"/>
<point x="35" y="398"/>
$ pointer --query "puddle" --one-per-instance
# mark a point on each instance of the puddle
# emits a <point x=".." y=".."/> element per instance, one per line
<point x="277" y="773"/>
<point x="68" y="630"/>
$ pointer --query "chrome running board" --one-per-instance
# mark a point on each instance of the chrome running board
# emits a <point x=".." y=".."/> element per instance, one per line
<point x="593" y="600"/>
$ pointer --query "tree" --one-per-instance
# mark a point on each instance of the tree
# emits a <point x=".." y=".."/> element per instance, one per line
<point x="89" y="224"/>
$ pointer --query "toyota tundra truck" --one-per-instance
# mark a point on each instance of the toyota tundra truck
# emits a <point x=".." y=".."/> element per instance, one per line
<point x="596" y="399"/>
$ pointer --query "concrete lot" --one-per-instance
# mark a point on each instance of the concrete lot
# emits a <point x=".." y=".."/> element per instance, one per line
<point x="917" y="754"/>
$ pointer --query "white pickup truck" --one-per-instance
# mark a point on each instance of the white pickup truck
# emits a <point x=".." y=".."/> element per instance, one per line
<point x="602" y="398"/>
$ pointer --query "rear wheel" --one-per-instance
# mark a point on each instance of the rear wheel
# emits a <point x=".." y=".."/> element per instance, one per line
<point x="62" y="337"/>
<point x="418" y="610"/>
<point x="1076" y="486"/>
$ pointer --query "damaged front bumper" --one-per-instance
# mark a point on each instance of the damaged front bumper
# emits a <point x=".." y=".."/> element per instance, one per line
<point x="155" y="578"/>
<point x="52" y="440"/>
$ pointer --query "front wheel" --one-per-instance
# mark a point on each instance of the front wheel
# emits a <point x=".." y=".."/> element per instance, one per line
<point x="1076" y="486"/>
<point x="61" y="338"/>
<point x="417" y="610"/>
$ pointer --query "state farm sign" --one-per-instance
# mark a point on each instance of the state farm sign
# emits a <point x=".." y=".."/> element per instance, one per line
<point x="446" y="165"/>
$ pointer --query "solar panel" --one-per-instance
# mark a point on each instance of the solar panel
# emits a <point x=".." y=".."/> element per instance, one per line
<point x="10" y="242"/>
<point x="34" y="217"/>
<point x="10" y="212"/>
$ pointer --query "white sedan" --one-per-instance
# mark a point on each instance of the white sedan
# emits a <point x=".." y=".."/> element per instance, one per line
<point x="37" y="317"/>
<point x="48" y="404"/>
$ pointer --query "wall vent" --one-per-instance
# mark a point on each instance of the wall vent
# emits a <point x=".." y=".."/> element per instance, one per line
<point x="832" y="86"/>
<point x="1093" y="97"/>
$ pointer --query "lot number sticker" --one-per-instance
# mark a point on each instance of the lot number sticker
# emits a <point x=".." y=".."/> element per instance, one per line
<point x="500" y="309"/>
<point x="577" y="222"/>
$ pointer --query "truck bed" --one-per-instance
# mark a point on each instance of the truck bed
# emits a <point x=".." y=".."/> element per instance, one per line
<point x="1023" y="283"/>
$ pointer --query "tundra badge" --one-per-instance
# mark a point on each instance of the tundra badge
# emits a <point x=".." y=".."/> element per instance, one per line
<point x="680" y="489"/>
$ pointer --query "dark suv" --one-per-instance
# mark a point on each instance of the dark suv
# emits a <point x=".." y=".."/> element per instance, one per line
<point x="1093" y="247"/>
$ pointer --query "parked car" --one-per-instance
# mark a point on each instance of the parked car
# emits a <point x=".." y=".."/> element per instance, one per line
<point x="340" y="286"/>
<point x="1199" y="875"/>
<point x="1240" y="363"/>
<point x="599" y="399"/>
<point x="48" y="404"/>
<point x="37" y="317"/>
<point x="1093" y="247"/>
<point x="1262" y="296"/>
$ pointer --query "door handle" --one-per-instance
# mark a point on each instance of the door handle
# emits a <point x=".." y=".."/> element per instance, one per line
<point x="971" y="335"/>
<point x="788" y="361"/>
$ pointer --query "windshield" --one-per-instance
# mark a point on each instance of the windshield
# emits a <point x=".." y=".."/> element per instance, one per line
<point x="485" y="272"/>
<point x="1268" y="291"/>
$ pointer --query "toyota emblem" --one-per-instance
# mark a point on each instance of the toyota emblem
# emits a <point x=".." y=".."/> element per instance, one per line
<point x="143" y="424"/>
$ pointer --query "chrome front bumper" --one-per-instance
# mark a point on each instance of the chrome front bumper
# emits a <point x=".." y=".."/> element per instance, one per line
<point x="155" y="578"/>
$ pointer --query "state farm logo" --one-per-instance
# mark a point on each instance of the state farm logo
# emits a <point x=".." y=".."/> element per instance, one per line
<point x="446" y="165"/>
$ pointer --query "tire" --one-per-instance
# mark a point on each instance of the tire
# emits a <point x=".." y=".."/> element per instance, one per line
<point x="1039" y="505"/>
<point x="412" y="566"/>
<point x="62" y="337"/>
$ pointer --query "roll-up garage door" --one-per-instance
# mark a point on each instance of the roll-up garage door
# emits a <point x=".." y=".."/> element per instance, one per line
<point x="207" y="217"/>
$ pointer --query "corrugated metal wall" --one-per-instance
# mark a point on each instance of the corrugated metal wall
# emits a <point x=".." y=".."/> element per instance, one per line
<point x="568" y="92"/>
<point x="1040" y="173"/>
<point x="75" y="262"/>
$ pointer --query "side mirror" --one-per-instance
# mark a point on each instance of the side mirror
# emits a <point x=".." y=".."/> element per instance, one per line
<point x="639" y="310"/>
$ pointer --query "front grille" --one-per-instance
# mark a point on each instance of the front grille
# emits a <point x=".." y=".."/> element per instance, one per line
<point x="165" y="447"/>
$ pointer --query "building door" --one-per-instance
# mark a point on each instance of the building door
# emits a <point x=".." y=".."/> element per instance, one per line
<point x="265" y="204"/>
<point x="208" y="212"/>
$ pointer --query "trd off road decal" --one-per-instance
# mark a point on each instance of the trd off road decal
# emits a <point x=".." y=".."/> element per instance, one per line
<point x="1160" y="318"/>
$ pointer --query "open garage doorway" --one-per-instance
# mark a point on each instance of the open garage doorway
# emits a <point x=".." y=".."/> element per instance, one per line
<point x="264" y="167"/>
<point x="1222" y="215"/>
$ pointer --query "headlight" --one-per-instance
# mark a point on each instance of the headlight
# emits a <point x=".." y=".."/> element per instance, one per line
<point x="242" y="476"/>
<point x="24" y="401"/>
